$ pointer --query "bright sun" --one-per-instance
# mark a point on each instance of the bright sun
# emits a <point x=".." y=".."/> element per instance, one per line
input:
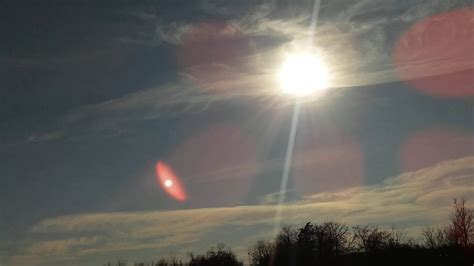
<point x="303" y="74"/>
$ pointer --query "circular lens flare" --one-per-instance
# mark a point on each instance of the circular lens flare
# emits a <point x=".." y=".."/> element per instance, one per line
<point x="219" y="162"/>
<point x="435" y="55"/>
<point x="303" y="74"/>
<point x="429" y="147"/>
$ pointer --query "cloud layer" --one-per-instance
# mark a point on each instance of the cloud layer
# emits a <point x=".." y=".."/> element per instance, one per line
<point x="410" y="200"/>
<point x="242" y="44"/>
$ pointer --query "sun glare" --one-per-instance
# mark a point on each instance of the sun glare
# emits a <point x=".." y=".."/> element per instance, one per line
<point x="303" y="74"/>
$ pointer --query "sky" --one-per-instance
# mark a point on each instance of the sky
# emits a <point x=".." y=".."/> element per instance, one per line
<point x="94" y="96"/>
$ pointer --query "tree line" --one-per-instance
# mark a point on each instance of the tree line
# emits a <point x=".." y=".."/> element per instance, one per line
<point x="333" y="243"/>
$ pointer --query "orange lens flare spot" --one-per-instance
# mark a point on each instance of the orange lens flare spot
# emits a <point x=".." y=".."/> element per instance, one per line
<point x="170" y="183"/>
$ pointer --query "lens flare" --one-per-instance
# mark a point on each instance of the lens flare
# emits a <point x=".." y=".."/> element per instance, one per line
<point x="219" y="162"/>
<point x="168" y="180"/>
<point x="210" y="55"/>
<point x="326" y="159"/>
<point x="432" y="146"/>
<point x="435" y="55"/>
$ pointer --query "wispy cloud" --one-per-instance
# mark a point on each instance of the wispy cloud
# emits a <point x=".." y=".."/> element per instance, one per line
<point x="410" y="200"/>
<point x="356" y="38"/>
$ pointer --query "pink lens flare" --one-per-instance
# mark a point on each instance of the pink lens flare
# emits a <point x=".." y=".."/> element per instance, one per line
<point x="219" y="162"/>
<point x="326" y="159"/>
<point x="432" y="146"/>
<point x="435" y="55"/>
<point x="170" y="183"/>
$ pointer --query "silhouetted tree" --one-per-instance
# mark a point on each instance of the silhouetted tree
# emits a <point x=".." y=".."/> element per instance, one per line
<point x="461" y="230"/>
<point x="119" y="263"/>
<point x="371" y="239"/>
<point x="397" y="238"/>
<point x="285" y="247"/>
<point x="261" y="253"/>
<point x="161" y="262"/>
<point x="434" y="238"/>
<point x="334" y="244"/>
<point x="322" y="242"/>
<point x="219" y="256"/>
<point x="164" y="262"/>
